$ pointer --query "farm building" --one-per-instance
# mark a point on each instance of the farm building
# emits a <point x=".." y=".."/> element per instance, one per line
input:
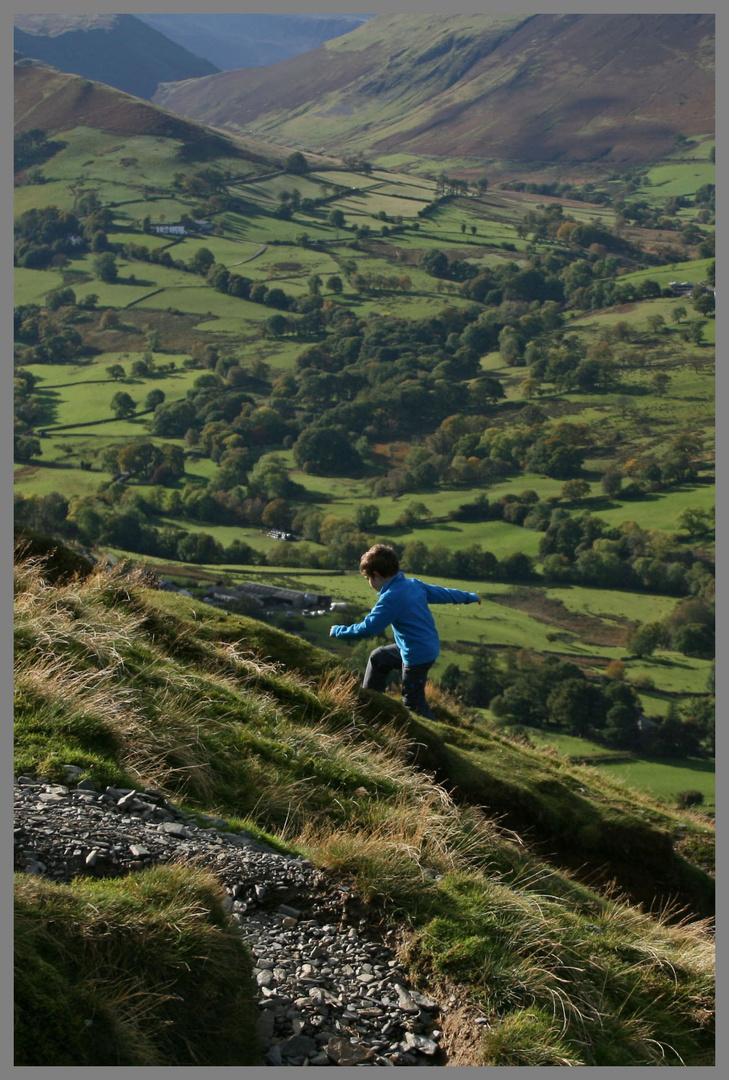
<point x="269" y="596"/>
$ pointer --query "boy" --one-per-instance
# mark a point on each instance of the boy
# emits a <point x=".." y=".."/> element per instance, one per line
<point x="403" y="604"/>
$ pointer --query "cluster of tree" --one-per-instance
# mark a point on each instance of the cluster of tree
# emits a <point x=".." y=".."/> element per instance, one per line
<point x="553" y="694"/>
<point x="583" y="549"/>
<point x="120" y="517"/>
<point x="29" y="410"/>
<point x="33" y="147"/>
<point x="44" y="335"/>
<point x="448" y="185"/>
<point x="44" y="237"/>
<point x="357" y="163"/>
<point x="689" y="629"/>
<point x="369" y="282"/>
<point x="556" y="694"/>
<point x="582" y="193"/>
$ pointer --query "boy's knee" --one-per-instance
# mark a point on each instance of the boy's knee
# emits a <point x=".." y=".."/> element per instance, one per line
<point x="383" y="659"/>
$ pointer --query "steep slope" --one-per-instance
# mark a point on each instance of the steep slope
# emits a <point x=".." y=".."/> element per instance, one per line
<point x="543" y="88"/>
<point x="55" y="102"/>
<point x="245" y="40"/>
<point x="144" y="690"/>
<point x="119" y="50"/>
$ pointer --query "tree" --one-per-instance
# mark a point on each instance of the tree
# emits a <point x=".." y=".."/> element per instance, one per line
<point x="575" y="490"/>
<point x="59" y="298"/>
<point x="483" y="679"/>
<point x="694" y="639"/>
<point x="277" y="514"/>
<point x="516" y="566"/>
<point x="105" y="267"/>
<point x="509" y="345"/>
<point x="26" y="447"/>
<point x="611" y="482"/>
<point x="139" y="369"/>
<point x="154" y="398"/>
<point x="136" y="458"/>
<point x="199" y="548"/>
<point x="173" y="419"/>
<point x="696" y="521"/>
<point x="452" y="680"/>
<point x="678" y="312"/>
<point x="122" y="405"/>
<point x="435" y="263"/>
<point x="201" y="261"/>
<point x="621" y="727"/>
<point x="325" y="451"/>
<point x="647" y="638"/>
<point x="335" y="284"/>
<point x="695" y="332"/>
<point x="660" y="382"/>
<point x="233" y="470"/>
<point x="276" y="326"/>
<point x="577" y="705"/>
<point x="115" y="371"/>
<point x="336" y="218"/>
<point x="366" y="516"/>
<point x="296" y="163"/>
<point x="704" y="303"/>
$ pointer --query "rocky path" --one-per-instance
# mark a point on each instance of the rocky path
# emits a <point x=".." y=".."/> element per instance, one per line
<point x="329" y="991"/>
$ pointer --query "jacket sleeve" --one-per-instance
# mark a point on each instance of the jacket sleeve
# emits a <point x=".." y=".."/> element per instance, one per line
<point x="378" y="620"/>
<point x="438" y="594"/>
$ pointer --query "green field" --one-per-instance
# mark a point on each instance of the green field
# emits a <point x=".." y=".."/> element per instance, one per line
<point x="133" y="174"/>
<point x="662" y="777"/>
<point x="667" y="778"/>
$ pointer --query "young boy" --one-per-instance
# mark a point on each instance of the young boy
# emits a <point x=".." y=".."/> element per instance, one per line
<point x="403" y="604"/>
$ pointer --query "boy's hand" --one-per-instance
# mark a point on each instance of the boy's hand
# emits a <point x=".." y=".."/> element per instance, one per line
<point x="331" y="631"/>
<point x="479" y="600"/>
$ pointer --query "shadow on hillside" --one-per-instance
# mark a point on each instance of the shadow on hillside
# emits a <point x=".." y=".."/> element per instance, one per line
<point x="48" y="401"/>
<point x="706" y="765"/>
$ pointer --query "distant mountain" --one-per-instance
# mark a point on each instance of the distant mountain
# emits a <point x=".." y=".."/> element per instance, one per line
<point x="242" y="40"/>
<point x="119" y="50"/>
<point x="513" y="90"/>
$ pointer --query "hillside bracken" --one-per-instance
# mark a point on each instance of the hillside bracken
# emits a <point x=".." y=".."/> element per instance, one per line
<point x="233" y="718"/>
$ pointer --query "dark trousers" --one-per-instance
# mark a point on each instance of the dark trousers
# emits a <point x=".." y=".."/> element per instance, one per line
<point x="386" y="659"/>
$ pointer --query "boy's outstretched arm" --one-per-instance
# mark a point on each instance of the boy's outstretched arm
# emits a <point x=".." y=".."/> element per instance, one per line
<point x="438" y="594"/>
<point x="378" y="620"/>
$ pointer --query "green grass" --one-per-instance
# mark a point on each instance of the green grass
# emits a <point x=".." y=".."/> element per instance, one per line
<point x="243" y="719"/>
<point x="611" y="603"/>
<point x="675" y="178"/>
<point x="32" y="286"/>
<point x="660" y="510"/>
<point x="202" y="300"/>
<point x="661" y="777"/>
<point x="142" y="970"/>
<point x="693" y="270"/>
<point x="667" y="778"/>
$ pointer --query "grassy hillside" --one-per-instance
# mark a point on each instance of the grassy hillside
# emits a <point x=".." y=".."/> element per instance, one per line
<point x="348" y="246"/>
<point x="234" y="718"/>
<point x="497" y="90"/>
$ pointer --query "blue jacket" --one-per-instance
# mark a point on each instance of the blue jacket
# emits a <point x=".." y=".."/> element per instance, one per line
<point x="403" y="604"/>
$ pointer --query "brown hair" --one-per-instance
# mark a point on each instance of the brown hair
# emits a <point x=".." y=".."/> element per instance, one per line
<point x="380" y="559"/>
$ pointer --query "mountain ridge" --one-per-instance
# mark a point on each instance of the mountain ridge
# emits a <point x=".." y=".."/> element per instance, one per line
<point x="246" y="40"/>
<point x="497" y="88"/>
<point x="119" y="50"/>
